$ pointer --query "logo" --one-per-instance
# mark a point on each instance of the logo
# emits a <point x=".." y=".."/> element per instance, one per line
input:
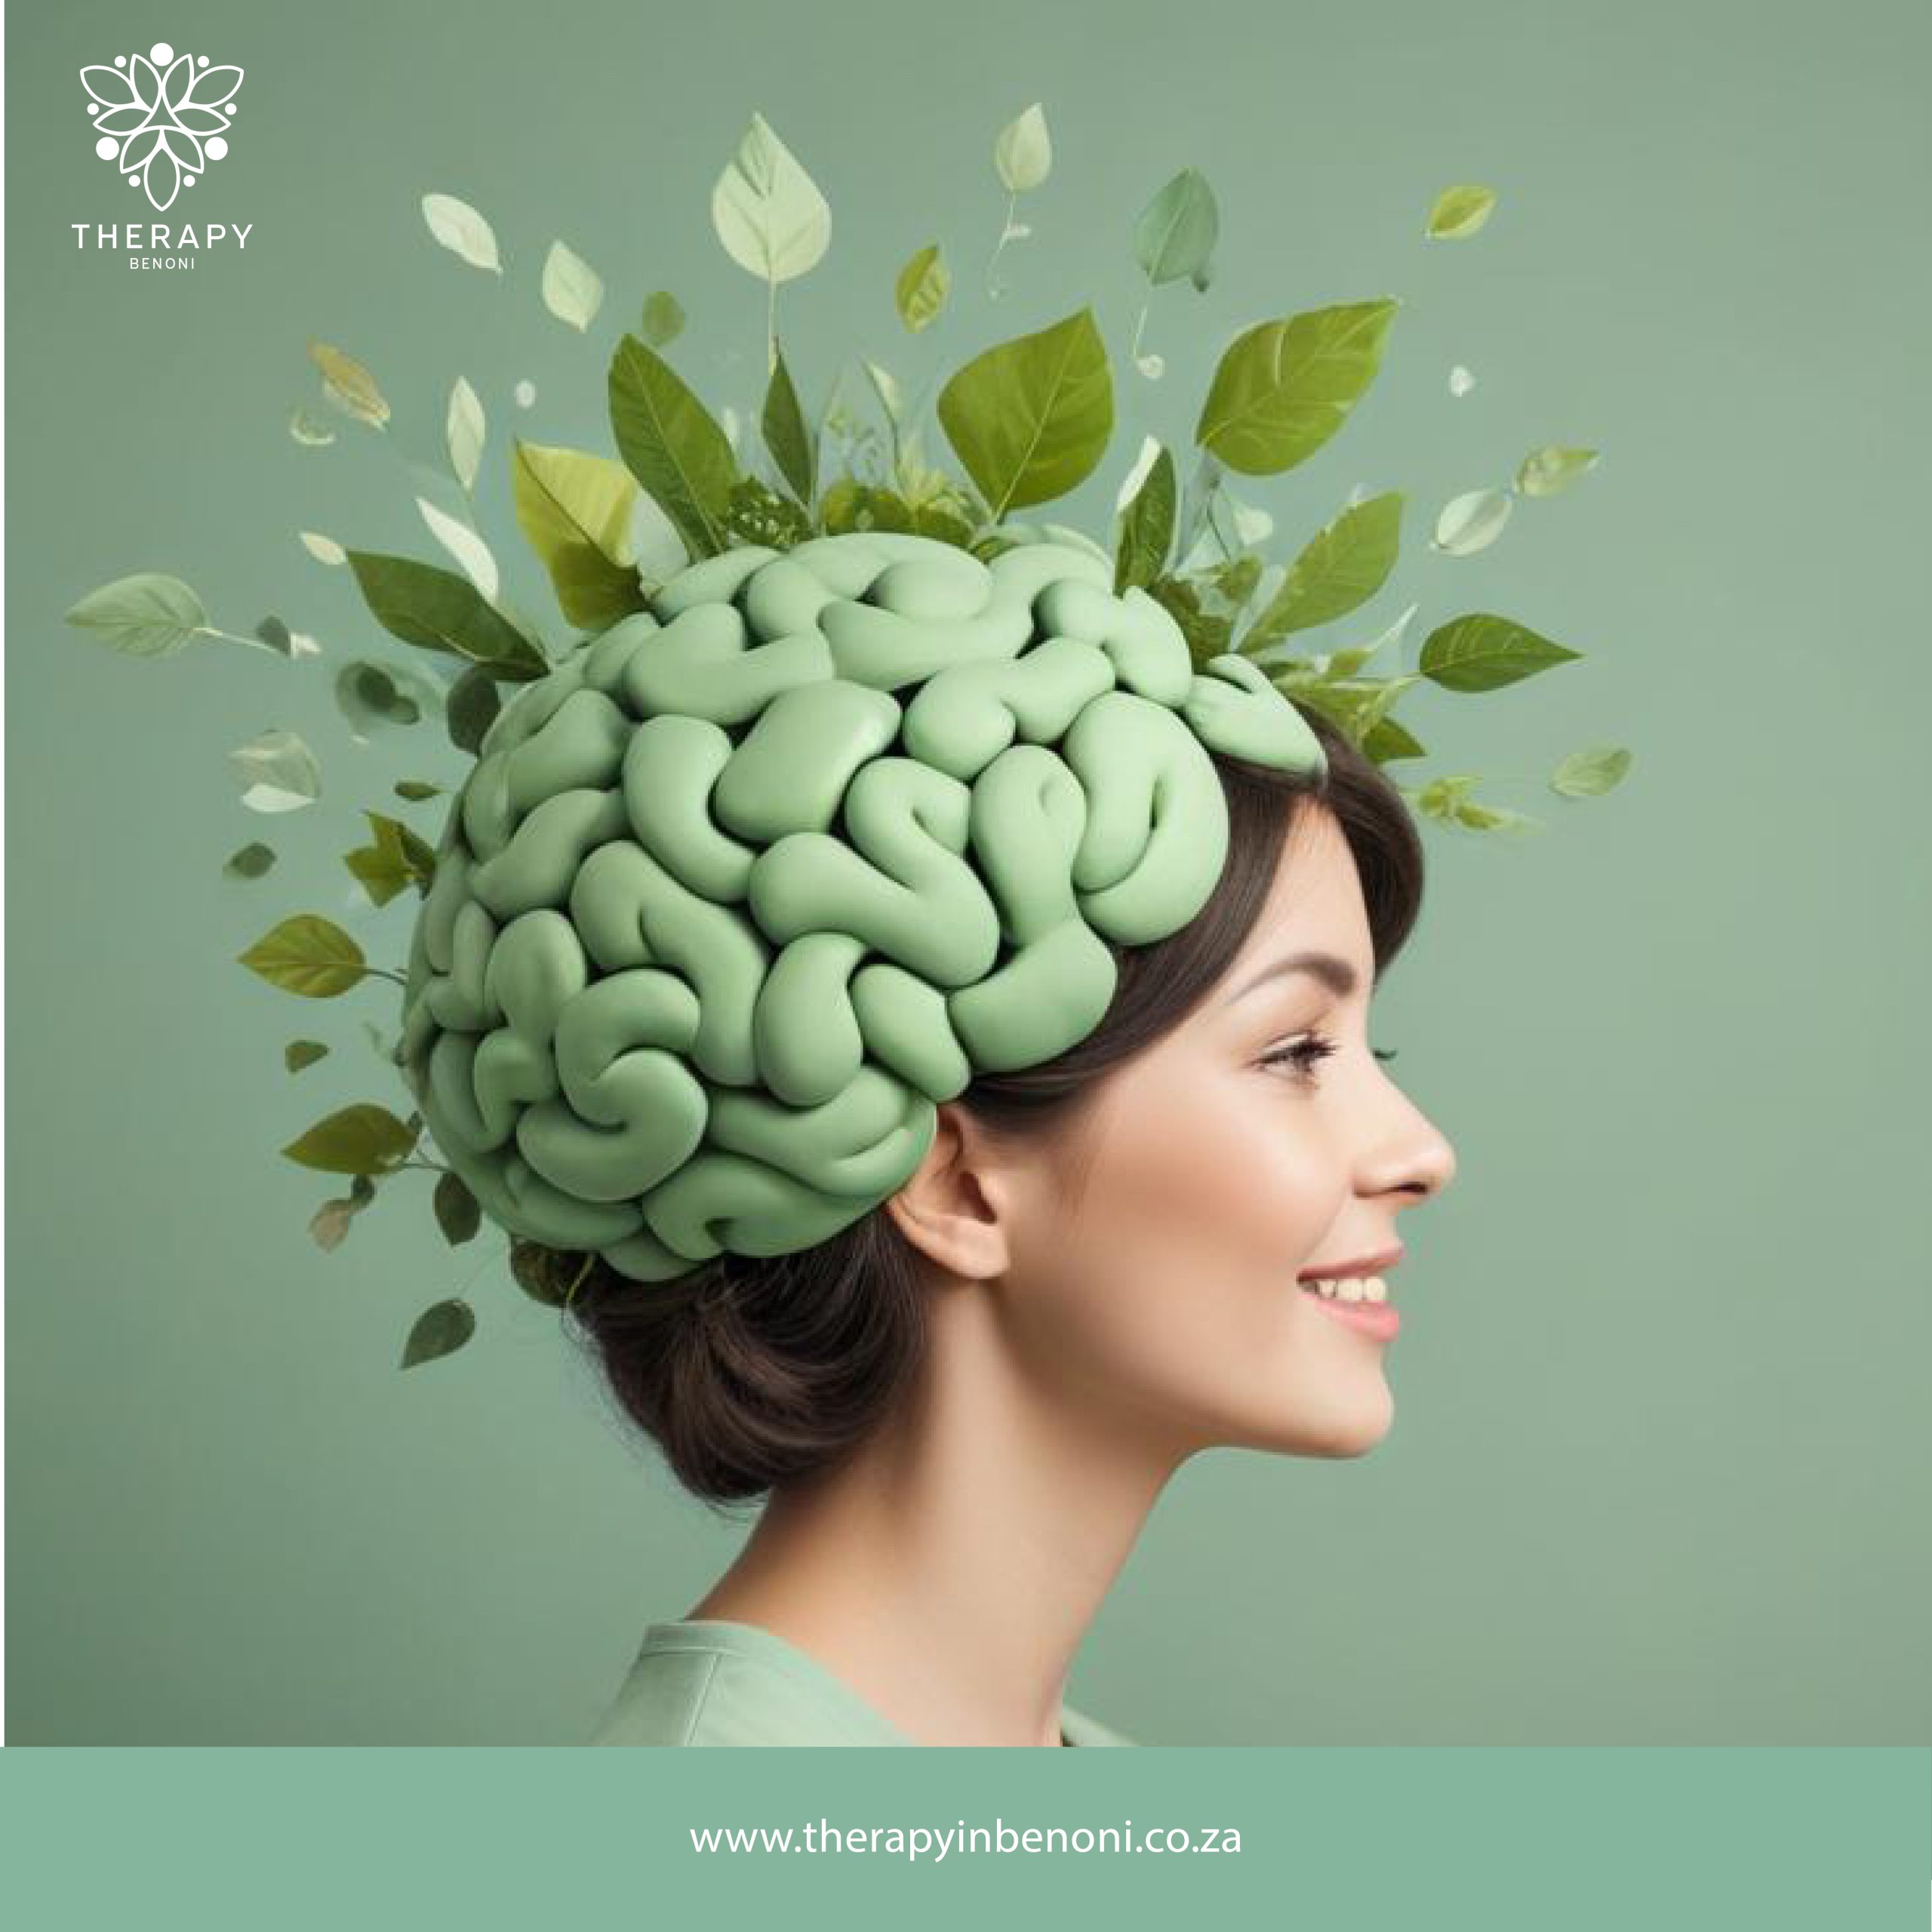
<point x="164" y="118"/>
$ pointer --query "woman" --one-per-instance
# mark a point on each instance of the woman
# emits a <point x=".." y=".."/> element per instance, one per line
<point x="961" y="1408"/>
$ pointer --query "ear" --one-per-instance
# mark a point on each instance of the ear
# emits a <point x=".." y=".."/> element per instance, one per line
<point x="957" y="1207"/>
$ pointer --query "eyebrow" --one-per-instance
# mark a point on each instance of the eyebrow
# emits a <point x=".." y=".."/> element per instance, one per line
<point x="1334" y="973"/>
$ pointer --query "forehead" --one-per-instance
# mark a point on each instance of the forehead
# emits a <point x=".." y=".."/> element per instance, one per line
<point x="1314" y="900"/>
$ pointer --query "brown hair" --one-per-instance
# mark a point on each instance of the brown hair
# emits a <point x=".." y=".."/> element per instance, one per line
<point x="750" y="1372"/>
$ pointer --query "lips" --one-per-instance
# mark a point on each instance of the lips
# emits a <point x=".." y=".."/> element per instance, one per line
<point x="1363" y="1265"/>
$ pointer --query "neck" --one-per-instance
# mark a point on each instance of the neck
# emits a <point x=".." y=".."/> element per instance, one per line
<point x="948" y="1570"/>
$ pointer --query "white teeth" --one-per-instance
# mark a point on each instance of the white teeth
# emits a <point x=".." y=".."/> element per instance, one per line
<point x="1351" y="1288"/>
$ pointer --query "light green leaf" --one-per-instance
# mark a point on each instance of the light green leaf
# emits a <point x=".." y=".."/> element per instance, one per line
<point x="308" y="429"/>
<point x="767" y="210"/>
<point x="279" y="771"/>
<point x="1459" y="211"/>
<point x="440" y="611"/>
<point x="324" y="549"/>
<point x="1344" y="565"/>
<point x="786" y="434"/>
<point x="664" y="318"/>
<point x="1494" y="818"/>
<point x="1284" y="387"/>
<point x="1589" y="773"/>
<point x="146" y="615"/>
<point x="1471" y="521"/>
<point x="365" y="1139"/>
<point x="920" y="292"/>
<point x="1481" y="652"/>
<point x="1031" y="418"/>
<point x="1147" y="528"/>
<point x="348" y="384"/>
<point x="440" y="1329"/>
<point x="308" y="955"/>
<point x="299" y="1053"/>
<point x="463" y="430"/>
<point x="1554" y="467"/>
<point x="1176" y="232"/>
<point x="396" y="859"/>
<point x="253" y="861"/>
<point x="671" y="443"/>
<point x="573" y="290"/>
<point x="1023" y="153"/>
<point x="574" y="509"/>
<point x="462" y="230"/>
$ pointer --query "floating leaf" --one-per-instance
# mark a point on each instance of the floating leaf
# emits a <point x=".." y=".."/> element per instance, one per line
<point x="474" y="703"/>
<point x="1460" y="381"/>
<point x="414" y="789"/>
<point x="397" y="858"/>
<point x="457" y="1213"/>
<point x="279" y="772"/>
<point x="574" y="510"/>
<point x="1544" y="472"/>
<point x="440" y="611"/>
<point x="308" y="429"/>
<point x="1589" y="773"/>
<point x="365" y="1139"/>
<point x="1284" y="387"/>
<point x="767" y="210"/>
<point x="1023" y="153"/>
<point x="330" y="1224"/>
<point x="1481" y="652"/>
<point x="671" y="444"/>
<point x="525" y="393"/>
<point x="463" y="430"/>
<point x="308" y="955"/>
<point x="253" y="861"/>
<point x="146" y="615"/>
<point x="324" y="549"/>
<point x="573" y="290"/>
<point x="1341" y="566"/>
<point x="1441" y="797"/>
<point x="664" y="318"/>
<point x="1494" y="818"/>
<point x="465" y="546"/>
<point x="1472" y="522"/>
<point x="276" y="635"/>
<point x="440" y="1329"/>
<point x="349" y="385"/>
<point x="371" y="694"/>
<point x="1176" y="232"/>
<point x="462" y="230"/>
<point x="786" y="434"/>
<point x="1031" y="418"/>
<point x="920" y="290"/>
<point x="299" y="1053"/>
<point x="1147" y="528"/>
<point x="1459" y="211"/>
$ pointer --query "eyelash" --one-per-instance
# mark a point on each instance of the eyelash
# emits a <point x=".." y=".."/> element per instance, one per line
<point x="1306" y="1053"/>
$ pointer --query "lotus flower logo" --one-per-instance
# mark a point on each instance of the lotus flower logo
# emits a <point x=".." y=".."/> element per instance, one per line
<point x="163" y="118"/>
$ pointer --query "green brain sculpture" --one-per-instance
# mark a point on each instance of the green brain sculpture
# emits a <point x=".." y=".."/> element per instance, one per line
<point x="744" y="888"/>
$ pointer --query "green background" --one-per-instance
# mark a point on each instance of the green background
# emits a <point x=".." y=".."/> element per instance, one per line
<point x="1662" y="1461"/>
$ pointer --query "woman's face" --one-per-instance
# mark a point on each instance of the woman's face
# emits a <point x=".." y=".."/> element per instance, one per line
<point x="1155" y="1247"/>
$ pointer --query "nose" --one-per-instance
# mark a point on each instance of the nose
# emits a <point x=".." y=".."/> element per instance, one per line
<point x="1412" y="1156"/>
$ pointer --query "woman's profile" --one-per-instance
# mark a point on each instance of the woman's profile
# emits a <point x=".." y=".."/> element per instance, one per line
<point x="959" y="1409"/>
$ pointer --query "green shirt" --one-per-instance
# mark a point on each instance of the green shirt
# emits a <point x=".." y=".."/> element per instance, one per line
<point x="710" y="1681"/>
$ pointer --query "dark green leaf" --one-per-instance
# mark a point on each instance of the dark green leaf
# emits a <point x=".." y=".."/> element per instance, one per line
<point x="1481" y="652"/>
<point x="1147" y="528"/>
<point x="299" y="1053"/>
<point x="787" y="435"/>
<point x="440" y="1329"/>
<point x="365" y="1139"/>
<point x="672" y="444"/>
<point x="474" y="703"/>
<point x="252" y="861"/>
<point x="439" y="610"/>
<point x="457" y="1213"/>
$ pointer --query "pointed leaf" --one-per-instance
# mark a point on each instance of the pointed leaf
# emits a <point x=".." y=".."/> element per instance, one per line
<point x="324" y="549"/>
<point x="786" y="434"/>
<point x="1176" y="232"/>
<point x="671" y="444"/>
<point x="1481" y="652"/>
<point x="767" y="210"/>
<point x="463" y="431"/>
<point x="574" y="510"/>
<point x="1147" y="528"/>
<point x="1459" y="211"/>
<point x="457" y="1213"/>
<point x="308" y="955"/>
<point x="1554" y="467"/>
<point x="252" y="861"/>
<point x="299" y="1053"/>
<point x="365" y="1139"/>
<point x="349" y="385"/>
<point x="1023" y="153"/>
<point x="1589" y="773"/>
<point x="1344" y="565"/>
<point x="920" y="292"/>
<point x="440" y="611"/>
<point x="146" y="615"/>
<point x="440" y="1329"/>
<point x="1472" y="522"/>
<point x="573" y="290"/>
<point x="462" y="230"/>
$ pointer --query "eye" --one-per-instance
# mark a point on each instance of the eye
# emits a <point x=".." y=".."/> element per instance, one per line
<point x="1303" y="1055"/>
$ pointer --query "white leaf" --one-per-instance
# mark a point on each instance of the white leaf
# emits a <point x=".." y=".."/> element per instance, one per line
<point x="525" y="393"/>
<point x="890" y="393"/>
<point x="462" y="230"/>
<point x="1023" y="153"/>
<point x="279" y="771"/>
<point x="464" y="430"/>
<point x="1152" y="367"/>
<point x="1472" y="522"/>
<point x="1150" y="450"/>
<point x="767" y="210"/>
<point x="1460" y="381"/>
<point x="1251" y="525"/>
<point x="573" y="290"/>
<point x="324" y="549"/>
<point x="464" y="545"/>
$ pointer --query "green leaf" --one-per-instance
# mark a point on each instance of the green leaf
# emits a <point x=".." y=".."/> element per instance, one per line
<point x="574" y="509"/>
<point x="299" y="1053"/>
<point x="1147" y="527"/>
<point x="1176" y="232"/>
<point x="439" y="610"/>
<point x="1494" y="818"/>
<point x="397" y="858"/>
<point x="671" y="443"/>
<point x="1343" y="566"/>
<point x="664" y="318"/>
<point x="1283" y="388"/>
<point x="758" y="514"/>
<point x="850" y="505"/>
<point x="786" y="434"/>
<point x="1031" y="418"/>
<point x="371" y="695"/>
<point x="146" y="615"/>
<point x="767" y="210"/>
<point x="1441" y="797"/>
<point x="415" y="789"/>
<point x="1554" y="467"/>
<point x="463" y="430"/>
<point x="474" y="702"/>
<point x="1355" y="706"/>
<point x="1459" y="211"/>
<point x="1481" y="652"/>
<point x="462" y="231"/>
<point x="920" y="292"/>
<point x="348" y="384"/>
<point x="365" y="1139"/>
<point x="1589" y="773"/>
<point x="1472" y="522"/>
<point x="309" y="955"/>
<point x="1389" y="741"/>
<point x="1207" y="632"/>
<point x="440" y="1329"/>
<point x="252" y="861"/>
<point x="1023" y="153"/>
<point x="572" y="291"/>
<point x="279" y="772"/>
<point x="457" y="1213"/>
